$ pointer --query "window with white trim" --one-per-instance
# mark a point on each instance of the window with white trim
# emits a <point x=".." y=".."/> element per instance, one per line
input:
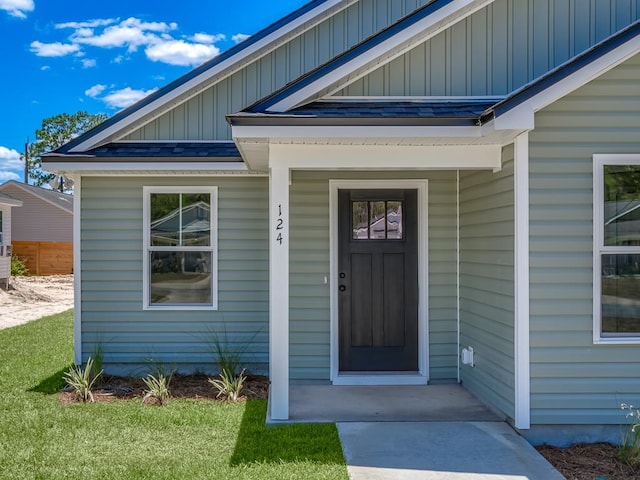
<point x="1" y="228"/>
<point x="616" y="248"/>
<point x="180" y="239"/>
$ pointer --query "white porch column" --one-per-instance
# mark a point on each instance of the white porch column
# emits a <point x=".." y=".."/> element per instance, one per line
<point x="521" y="276"/>
<point x="279" y="290"/>
<point x="77" y="270"/>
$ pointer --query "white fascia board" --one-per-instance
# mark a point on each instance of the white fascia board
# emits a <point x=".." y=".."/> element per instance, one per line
<point x="291" y="131"/>
<point x="86" y="167"/>
<point x="389" y="49"/>
<point x="258" y="49"/>
<point x="571" y="83"/>
<point x="385" y="157"/>
<point x="10" y="201"/>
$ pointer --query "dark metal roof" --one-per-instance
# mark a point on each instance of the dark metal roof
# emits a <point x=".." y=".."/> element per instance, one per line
<point x="263" y="105"/>
<point x="192" y="74"/>
<point x="373" y="112"/>
<point x="562" y="71"/>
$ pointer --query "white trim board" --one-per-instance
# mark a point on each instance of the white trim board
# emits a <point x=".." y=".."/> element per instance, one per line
<point x="77" y="270"/>
<point x="423" y="288"/>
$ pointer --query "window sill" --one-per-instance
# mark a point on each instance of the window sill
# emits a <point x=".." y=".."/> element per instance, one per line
<point x="617" y="341"/>
<point x="174" y="308"/>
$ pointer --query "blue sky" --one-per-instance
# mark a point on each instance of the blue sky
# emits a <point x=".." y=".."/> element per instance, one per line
<point x="65" y="56"/>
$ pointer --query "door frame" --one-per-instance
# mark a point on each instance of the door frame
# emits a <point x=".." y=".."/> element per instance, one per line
<point x="387" y="378"/>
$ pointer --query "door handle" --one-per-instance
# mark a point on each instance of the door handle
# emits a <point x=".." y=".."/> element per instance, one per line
<point x="342" y="288"/>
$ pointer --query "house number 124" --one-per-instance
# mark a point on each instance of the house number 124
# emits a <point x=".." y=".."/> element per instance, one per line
<point x="279" y="225"/>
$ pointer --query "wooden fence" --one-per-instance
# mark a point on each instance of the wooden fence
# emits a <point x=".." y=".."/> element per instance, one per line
<point x="45" y="258"/>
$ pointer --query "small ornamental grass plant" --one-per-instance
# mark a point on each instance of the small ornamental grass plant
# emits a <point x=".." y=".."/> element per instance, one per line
<point x="157" y="388"/>
<point x="18" y="267"/>
<point x="630" y="448"/>
<point x="81" y="380"/>
<point x="229" y="386"/>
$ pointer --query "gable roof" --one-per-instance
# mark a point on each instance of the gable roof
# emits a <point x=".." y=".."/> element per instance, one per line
<point x="9" y="200"/>
<point x="219" y="67"/>
<point x="63" y="201"/>
<point x="386" y="45"/>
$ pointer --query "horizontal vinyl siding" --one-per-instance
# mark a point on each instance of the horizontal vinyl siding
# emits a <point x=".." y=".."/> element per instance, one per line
<point x="112" y="252"/>
<point x="487" y="282"/>
<point x="310" y="314"/>
<point x="38" y="220"/>
<point x="499" y="48"/>
<point x="5" y="262"/>
<point x="203" y="116"/>
<point x="572" y="380"/>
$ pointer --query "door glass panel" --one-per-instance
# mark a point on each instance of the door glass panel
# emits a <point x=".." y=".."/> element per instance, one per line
<point x="379" y="220"/>
<point x="360" y="220"/>
<point x="377" y="223"/>
<point x="394" y="220"/>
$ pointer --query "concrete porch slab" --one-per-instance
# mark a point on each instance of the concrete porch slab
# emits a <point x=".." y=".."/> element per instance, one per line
<point x="440" y="450"/>
<point x="404" y="403"/>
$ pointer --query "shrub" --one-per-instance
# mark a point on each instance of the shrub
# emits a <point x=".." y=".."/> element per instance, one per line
<point x="630" y="448"/>
<point x="157" y="388"/>
<point x="18" y="267"/>
<point x="81" y="380"/>
<point x="229" y="385"/>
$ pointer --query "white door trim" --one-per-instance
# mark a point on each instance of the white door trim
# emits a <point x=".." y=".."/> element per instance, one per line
<point x="423" y="288"/>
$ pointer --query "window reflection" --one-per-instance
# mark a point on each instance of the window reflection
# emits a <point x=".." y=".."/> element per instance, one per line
<point x="621" y="293"/>
<point x="621" y="205"/>
<point x="377" y="220"/>
<point x="180" y="219"/>
<point x="180" y="277"/>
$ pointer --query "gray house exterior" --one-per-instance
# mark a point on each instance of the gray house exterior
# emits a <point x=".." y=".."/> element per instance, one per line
<point x="504" y="131"/>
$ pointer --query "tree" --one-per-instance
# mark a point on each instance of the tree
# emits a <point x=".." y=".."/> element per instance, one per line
<point x="55" y="132"/>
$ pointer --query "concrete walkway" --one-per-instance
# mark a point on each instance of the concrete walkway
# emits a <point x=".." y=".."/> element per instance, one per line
<point x="440" y="450"/>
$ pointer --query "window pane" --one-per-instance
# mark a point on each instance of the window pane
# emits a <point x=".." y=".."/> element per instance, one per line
<point x="621" y="205"/>
<point x="196" y="219"/>
<point x="180" y="219"/>
<point x="377" y="223"/>
<point x="394" y="220"/>
<point x="621" y="293"/>
<point x="360" y="222"/>
<point x="180" y="278"/>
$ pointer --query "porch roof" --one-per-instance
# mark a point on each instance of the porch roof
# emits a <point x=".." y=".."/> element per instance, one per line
<point x="374" y="111"/>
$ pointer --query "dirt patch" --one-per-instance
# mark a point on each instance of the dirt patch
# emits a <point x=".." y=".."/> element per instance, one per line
<point x="30" y="298"/>
<point x="589" y="462"/>
<point x="194" y="387"/>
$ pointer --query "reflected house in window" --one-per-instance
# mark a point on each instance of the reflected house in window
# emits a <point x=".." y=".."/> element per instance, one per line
<point x="180" y="249"/>
<point x="379" y="220"/>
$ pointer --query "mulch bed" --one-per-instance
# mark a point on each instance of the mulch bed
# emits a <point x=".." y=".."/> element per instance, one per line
<point x="182" y="386"/>
<point x="589" y="462"/>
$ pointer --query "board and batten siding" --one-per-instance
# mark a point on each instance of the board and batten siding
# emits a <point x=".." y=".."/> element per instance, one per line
<point x="499" y="48"/>
<point x="487" y="282"/>
<point x="203" y="116"/>
<point x="310" y="253"/>
<point x="574" y="381"/>
<point x="39" y="220"/>
<point x="112" y="252"/>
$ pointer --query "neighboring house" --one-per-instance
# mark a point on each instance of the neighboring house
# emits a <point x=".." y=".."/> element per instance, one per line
<point x="480" y="140"/>
<point x="6" y="204"/>
<point x="43" y="229"/>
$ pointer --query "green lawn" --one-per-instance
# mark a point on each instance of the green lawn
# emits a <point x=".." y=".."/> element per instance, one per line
<point x="39" y="438"/>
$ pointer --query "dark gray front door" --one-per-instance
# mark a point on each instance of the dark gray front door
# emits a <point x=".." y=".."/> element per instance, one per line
<point x="378" y="280"/>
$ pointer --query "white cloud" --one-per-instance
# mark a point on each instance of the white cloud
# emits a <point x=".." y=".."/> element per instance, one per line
<point x="17" y="8"/>
<point x="206" y="38"/>
<point x="125" y="97"/>
<point x="88" y="63"/>
<point x="96" y="90"/>
<point x="239" y="37"/>
<point x="179" y="52"/>
<point x="56" y="49"/>
<point x="96" y="22"/>
<point x="130" y="33"/>
<point x="44" y="68"/>
<point x="10" y="163"/>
